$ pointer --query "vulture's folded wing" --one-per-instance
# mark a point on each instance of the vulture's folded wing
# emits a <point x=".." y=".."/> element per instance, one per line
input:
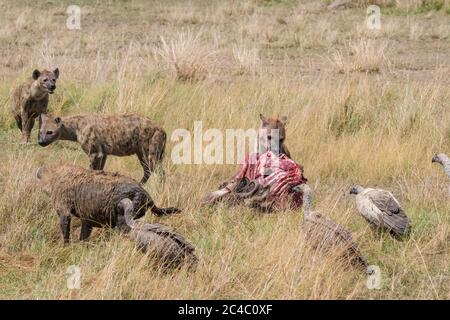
<point x="392" y="214"/>
<point x="166" y="231"/>
<point x="325" y="229"/>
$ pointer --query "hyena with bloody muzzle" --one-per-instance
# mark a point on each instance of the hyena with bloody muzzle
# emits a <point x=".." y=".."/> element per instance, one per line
<point x="30" y="100"/>
<point x="272" y="134"/>
<point x="103" y="135"/>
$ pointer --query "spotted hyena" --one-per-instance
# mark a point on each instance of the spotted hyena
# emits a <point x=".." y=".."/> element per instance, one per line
<point x="103" y="135"/>
<point x="96" y="197"/>
<point x="272" y="134"/>
<point x="30" y="100"/>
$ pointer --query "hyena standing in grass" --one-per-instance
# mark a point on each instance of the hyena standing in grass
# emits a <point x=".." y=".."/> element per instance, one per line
<point x="103" y="135"/>
<point x="30" y="100"/>
<point x="98" y="198"/>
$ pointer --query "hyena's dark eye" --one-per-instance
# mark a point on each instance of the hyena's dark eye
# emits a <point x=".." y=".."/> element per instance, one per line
<point x="49" y="132"/>
<point x="45" y="80"/>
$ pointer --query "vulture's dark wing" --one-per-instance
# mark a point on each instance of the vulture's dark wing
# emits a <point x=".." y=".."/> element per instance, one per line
<point x="392" y="215"/>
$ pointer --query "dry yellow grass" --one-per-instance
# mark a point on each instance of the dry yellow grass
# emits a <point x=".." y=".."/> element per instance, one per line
<point x="373" y="128"/>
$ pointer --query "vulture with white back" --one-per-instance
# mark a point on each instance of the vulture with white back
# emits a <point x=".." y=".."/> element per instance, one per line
<point x="381" y="209"/>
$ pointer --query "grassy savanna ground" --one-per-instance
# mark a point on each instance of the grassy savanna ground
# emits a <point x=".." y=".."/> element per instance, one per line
<point x="364" y="106"/>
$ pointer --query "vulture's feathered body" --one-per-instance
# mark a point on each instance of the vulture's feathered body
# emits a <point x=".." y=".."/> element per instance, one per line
<point x="381" y="209"/>
<point x="159" y="241"/>
<point x="324" y="234"/>
<point x="444" y="160"/>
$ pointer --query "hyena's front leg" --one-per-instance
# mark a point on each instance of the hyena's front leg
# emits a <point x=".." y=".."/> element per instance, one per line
<point x="97" y="160"/>
<point x="86" y="229"/>
<point x="102" y="162"/>
<point x="64" y="224"/>
<point x="27" y="126"/>
<point x="18" y="119"/>
<point x="40" y="124"/>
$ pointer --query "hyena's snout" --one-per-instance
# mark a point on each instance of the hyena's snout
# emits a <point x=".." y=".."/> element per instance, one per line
<point x="51" y="87"/>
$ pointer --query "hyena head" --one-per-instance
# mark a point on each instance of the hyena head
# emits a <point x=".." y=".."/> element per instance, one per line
<point x="48" y="174"/>
<point x="50" y="129"/>
<point x="271" y="134"/>
<point x="43" y="174"/>
<point x="45" y="81"/>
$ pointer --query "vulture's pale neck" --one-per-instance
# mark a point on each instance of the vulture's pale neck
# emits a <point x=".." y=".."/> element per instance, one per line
<point x="359" y="189"/>
<point x="129" y="220"/>
<point x="307" y="200"/>
<point x="446" y="165"/>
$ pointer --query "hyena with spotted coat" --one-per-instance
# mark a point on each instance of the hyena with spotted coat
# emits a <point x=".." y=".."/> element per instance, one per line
<point x="30" y="100"/>
<point x="97" y="198"/>
<point x="103" y="135"/>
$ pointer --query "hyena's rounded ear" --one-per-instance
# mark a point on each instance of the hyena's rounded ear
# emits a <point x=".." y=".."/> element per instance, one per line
<point x="56" y="73"/>
<point x="36" y="74"/>
<point x="284" y="120"/>
<point x="40" y="172"/>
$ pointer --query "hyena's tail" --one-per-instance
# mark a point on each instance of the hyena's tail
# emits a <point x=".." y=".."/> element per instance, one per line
<point x="164" y="211"/>
<point x="150" y="204"/>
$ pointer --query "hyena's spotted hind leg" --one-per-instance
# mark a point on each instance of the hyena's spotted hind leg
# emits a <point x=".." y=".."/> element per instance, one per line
<point x="152" y="157"/>
<point x="27" y="126"/>
<point x="156" y="152"/>
<point x="145" y="165"/>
